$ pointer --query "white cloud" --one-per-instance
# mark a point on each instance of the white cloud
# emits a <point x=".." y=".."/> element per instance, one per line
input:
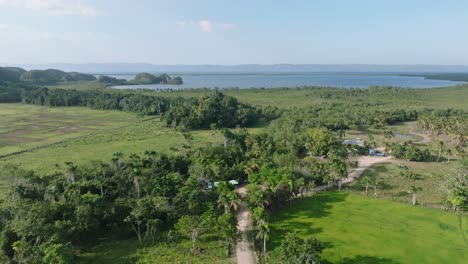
<point x="52" y="7"/>
<point x="206" y="26"/>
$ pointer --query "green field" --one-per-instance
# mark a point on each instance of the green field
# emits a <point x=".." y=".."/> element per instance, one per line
<point x="357" y="229"/>
<point x="394" y="186"/>
<point x="23" y="126"/>
<point x="85" y="135"/>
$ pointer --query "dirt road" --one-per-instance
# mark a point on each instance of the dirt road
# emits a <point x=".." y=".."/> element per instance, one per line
<point x="244" y="251"/>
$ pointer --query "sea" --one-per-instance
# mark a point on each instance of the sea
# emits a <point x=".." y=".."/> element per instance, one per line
<point x="290" y="80"/>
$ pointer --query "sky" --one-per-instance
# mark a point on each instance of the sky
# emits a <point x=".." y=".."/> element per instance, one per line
<point x="234" y="31"/>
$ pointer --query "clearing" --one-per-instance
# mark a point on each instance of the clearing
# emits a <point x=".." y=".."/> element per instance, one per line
<point x="359" y="229"/>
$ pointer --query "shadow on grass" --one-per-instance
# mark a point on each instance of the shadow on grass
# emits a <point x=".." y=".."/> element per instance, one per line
<point x="364" y="260"/>
<point x="299" y="217"/>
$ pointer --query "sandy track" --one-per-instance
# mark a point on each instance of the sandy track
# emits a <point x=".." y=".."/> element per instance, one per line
<point x="244" y="251"/>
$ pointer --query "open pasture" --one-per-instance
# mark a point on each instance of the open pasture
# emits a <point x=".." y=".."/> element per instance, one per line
<point x="358" y="229"/>
<point x="24" y="127"/>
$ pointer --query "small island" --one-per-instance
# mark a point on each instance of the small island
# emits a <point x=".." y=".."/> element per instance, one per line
<point x="54" y="77"/>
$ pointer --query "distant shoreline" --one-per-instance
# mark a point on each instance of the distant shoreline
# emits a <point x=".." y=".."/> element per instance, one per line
<point x="455" y="77"/>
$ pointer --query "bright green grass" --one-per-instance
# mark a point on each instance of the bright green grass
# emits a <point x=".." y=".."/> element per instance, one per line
<point x="130" y="251"/>
<point x="357" y="229"/>
<point x="25" y="126"/>
<point x="394" y="186"/>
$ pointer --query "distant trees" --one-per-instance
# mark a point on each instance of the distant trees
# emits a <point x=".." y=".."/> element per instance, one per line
<point x="409" y="152"/>
<point x="147" y="78"/>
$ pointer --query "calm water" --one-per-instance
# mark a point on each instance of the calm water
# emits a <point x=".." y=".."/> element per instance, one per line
<point x="292" y="80"/>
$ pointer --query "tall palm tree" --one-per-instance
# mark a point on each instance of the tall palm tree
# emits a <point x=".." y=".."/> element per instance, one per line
<point x="341" y="133"/>
<point x="263" y="233"/>
<point x="227" y="198"/>
<point x="440" y="148"/>
<point x="413" y="190"/>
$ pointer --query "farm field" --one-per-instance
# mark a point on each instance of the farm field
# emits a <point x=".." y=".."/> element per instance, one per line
<point x="358" y="229"/>
<point x="24" y="126"/>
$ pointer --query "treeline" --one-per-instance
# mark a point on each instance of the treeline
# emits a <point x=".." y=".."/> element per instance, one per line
<point x="213" y="109"/>
<point x="337" y="116"/>
<point x="449" y="122"/>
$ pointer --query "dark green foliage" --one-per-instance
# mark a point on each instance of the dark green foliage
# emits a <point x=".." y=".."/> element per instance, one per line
<point x="147" y="78"/>
<point x="409" y="152"/>
<point x="110" y="80"/>
<point x="10" y="74"/>
<point x="76" y="76"/>
<point x="216" y="108"/>
<point x="295" y="250"/>
<point x="49" y="76"/>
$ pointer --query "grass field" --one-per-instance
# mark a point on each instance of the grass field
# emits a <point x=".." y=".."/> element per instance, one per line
<point x="130" y="251"/>
<point x="25" y="126"/>
<point x="394" y="186"/>
<point x="357" y="229"/>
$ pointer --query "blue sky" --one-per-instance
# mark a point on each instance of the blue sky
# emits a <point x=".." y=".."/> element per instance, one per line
<point x="234" y="31"/>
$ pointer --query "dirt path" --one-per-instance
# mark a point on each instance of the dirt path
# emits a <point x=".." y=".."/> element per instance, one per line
<point x="244" y="251"/>
<point x="364" y="162"/>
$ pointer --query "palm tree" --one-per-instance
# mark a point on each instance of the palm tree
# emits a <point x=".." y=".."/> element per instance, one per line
<point x="227" y="198"/>
<point x="368" y="182"/>
<point x="341" y="133"/>
<point x="449" y="154"/>
<point x="338" y="170"/>
<point x="413" y="190"/>
<point x="439" y="148"/>
<point x="263" y="233"/>
<point x="388" y="134"/>
<point x="70" y="172"/>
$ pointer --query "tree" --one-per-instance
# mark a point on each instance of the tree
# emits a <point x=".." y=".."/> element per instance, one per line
<point x="456" y="188"/>
<point x="192" y="226"/>
<point x="227" y="198"/>
<point x="369" y="182"/>
<point x="58" y="254"/>
<point x="439" y="148"/>
<point x="227" y="227"/>
<point x="263" y="233"/>
<point x="389" y="133"/>
<point x="337" y="170"/>
<point x="341" y="133"/>
<point x="413" y="190"/>
<point x="294" y="249"/>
